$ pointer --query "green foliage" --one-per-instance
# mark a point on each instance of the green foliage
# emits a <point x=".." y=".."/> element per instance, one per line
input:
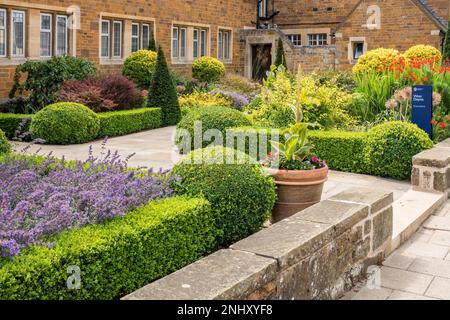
<point x="208" y="69"/>
<point x="218" y="118"/>
<point x="44" y="78"/>
<point x="115" y="258"/>
<point x="391" y="146"/>
<point x="280" y="59"/>
<point x="152" y="43"/>
<point x="199" y="99"/>
<point x="65" y="123"/>
<point x="5" y="147"/>
<point x="162" y="93"/>
<point x="325" y="105"/>
<point x="140" y="67"/>
<point x="239" y="84"/>
<point x="446" y="51"/>
<point x="335" y="78"/>
<point x="378" y="60"/>
<point x="241" y="195"/>
<point x="9" y="123"/>
<point x="119" y="123"/>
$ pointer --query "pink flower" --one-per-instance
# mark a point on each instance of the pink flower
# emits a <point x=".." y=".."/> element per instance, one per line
<point x="314" y="159"/>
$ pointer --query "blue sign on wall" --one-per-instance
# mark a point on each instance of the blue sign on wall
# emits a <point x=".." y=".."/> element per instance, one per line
<point x="422" y="108"/>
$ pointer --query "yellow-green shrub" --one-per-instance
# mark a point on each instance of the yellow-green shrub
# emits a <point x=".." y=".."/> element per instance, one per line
<point x="377" y="60"/>
<point x="198" y="99"/>
<point x="423" y="52"/>
<point x="140" y="66"/>
<point x="208" y="69"/>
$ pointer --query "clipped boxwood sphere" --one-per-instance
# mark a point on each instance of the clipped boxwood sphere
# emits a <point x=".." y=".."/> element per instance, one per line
<point x="140" y="67"/>
<point x="208" y="69"/>
<point x="392" y="145"/>
<point x="241" y="195"/>
<point x="219" y="118"/>
<point x="5" y="147"/>
<point x="377" y="60"/>
<point x="65" y="123"/>
<point x="423" y="52"/>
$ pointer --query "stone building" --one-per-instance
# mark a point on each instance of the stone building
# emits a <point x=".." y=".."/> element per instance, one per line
<point x="241" y="33"/>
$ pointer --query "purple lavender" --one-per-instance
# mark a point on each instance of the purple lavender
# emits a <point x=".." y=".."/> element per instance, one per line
<point x="40" y="200"/>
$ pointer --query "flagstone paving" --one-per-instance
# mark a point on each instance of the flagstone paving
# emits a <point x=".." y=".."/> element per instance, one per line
<point x="419" y="269"/>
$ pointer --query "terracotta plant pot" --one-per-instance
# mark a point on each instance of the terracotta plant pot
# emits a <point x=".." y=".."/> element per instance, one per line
<point x="297" y="190"/>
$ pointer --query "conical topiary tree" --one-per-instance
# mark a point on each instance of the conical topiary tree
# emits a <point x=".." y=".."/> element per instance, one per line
<point x="280" y="58"/>
<point x="446" y="51"/>
<point x="152" y="42"/>
<point x="162" y="93"/>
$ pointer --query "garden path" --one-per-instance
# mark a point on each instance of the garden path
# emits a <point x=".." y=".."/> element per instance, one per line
<point x="419" y="269"/>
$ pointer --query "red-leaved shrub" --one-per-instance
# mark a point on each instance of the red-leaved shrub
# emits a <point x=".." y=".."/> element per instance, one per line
<point x="111" y="92"/>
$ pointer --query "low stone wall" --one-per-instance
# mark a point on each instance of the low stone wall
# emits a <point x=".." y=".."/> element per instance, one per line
<point x="431" y="171"/>
<point x="317" y="254"/>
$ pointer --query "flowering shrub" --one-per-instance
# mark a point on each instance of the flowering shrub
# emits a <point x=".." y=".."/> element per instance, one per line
<point x="441" y="126"/>
<point x="239" y="84"/>
<point x="112" y="92"/>
<point x="208" y="69"/>
<point x="140" y="67"/>
<point x="378" y="60"/>
<point x="42" y="198"/>
<point x="198" y="99"/>
<point x="422" y="52"/>
<point x="239" y="101"/>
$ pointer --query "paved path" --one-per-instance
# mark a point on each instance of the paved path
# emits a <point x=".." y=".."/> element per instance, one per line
<point x="418" y="270"/>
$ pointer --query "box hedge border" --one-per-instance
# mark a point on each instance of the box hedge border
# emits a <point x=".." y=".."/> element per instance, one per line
<point x="115" y="258"/>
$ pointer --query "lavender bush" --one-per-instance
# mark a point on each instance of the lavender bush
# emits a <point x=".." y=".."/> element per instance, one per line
<point x="239" y="100"/>
<point x="39" y="198"/>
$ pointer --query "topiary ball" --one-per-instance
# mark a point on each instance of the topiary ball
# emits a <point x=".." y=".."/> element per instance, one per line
<point x="5" y="147"/>
<point x="378" y="60"/>
<point x="392" y="145"/>
<point x="208" y="69"/>
<point x="423" y="52"/>
<point x="217" y="118"/>
<point x="140" y="67"/>
<point x="241" y="195"/>
<point x="65" y="123"/>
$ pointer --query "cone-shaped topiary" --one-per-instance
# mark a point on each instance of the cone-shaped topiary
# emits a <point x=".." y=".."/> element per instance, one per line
<point x="280" y="58"/>
<point x="446" y="51"/>
<point x="152" y="42"/>
<point x="162" y="93"/>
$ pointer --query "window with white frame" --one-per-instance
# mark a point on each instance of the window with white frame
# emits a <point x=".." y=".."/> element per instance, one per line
<point x="262" y="8"/>
<point x="3" y="24"/>
<point x="203" y="42"/>
<point x="117" y="39"/>
<point x="105" y="38"/>
<point x="183" y="32"/>
<point x="318" y="39"/>
<point x="296" y="39"/>
<point x="18" y="33"/>
<point x="62" y="39"/>
<point x="196" y="43"/>
<point x="46" y="35"/>
<point x="175" y="42"/>
<point x="224" y="45"/>
<point x="145" y="36"/>
<point x="134" y="37"/>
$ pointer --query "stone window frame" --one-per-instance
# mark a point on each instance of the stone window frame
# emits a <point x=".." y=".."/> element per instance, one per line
<point x="295" y="38"/>
<point x="56" y="37"/>
<point x="204" y="31"/>
<point x="135" y="37"/>
<point x="221" y="31"/>
<point x="318" y="42"/>
<point x="113" y="53"/>
<point x="32" y="30"/>
<point x="351" y="41"/>
<point x="103" y="34"/>
<point x="48" y="31"/>
<point x="127" y="22"/>
<point x="24" y="34"/>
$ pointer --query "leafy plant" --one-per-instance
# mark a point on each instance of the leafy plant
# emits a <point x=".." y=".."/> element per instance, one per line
<point x="280" y="59"/>
<point x="44" y="79"/>
<point x="208" y="69"/>
<point x="162" y="93"/>
<point x="65" y="123"/>
<point x="423" y="52"/>
<point x="378" y="61"/>
<point x="199" y="99"/>
<point x="5" y="147"/>
<point x="140" y="67"/>
<point x="446" y="51"/>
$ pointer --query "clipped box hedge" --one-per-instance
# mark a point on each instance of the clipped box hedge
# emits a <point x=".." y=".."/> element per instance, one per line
<point x="115" y="258"/>
<point x="118" y="123"/>
<point x="9" y="122"/>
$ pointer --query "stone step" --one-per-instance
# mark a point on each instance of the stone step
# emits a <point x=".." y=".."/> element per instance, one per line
<point x="410" y="212"/>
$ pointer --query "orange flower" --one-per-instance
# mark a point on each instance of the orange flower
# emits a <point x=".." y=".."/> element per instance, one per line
<point x="442" y="125"/>
<point x="425" y="79"/>
<point x="413" y="77"/>
<point x="433" y="122"/>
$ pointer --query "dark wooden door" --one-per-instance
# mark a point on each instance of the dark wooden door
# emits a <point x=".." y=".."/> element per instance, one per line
<point x="261" y="60"/>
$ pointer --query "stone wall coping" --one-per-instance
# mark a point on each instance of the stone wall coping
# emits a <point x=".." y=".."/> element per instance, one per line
<point x="437" y="157"/>
<point x="253" y="265"/>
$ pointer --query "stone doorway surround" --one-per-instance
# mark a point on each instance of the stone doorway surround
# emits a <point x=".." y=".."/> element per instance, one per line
<point x="252" y="37"/>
